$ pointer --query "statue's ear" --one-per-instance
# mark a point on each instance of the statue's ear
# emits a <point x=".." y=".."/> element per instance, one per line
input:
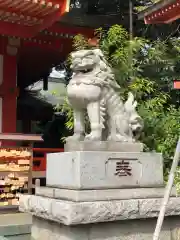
<point x="73" y="54"/>
<point x="130" y="97"/>
<point x="135" y="104"/>
<point x="98" y="52"/>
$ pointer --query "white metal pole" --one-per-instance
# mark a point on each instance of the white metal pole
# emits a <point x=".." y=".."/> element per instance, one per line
<point x="167" y="192"/>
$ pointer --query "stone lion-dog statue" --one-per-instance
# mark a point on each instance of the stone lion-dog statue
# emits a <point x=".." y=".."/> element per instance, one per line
<point x="94" y="91"/>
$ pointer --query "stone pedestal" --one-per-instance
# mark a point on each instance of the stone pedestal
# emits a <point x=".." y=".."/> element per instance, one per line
<point x="101" y="195"/>
<point x="104" y="170"/>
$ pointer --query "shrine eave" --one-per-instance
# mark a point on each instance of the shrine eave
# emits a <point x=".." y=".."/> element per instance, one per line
<point x="26" y="18"/>
<point x="165" y="11"/>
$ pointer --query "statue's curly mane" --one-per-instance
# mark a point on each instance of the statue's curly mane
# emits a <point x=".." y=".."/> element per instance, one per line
<point x="100" y="68"/>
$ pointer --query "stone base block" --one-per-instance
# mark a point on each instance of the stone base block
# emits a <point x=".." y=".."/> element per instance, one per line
<point x="101" y="195"/>
<point x="106" y="146"/>
<point x="77" y="213"/>
<point x="104" y="170"/>
<point x="121" y="230"/>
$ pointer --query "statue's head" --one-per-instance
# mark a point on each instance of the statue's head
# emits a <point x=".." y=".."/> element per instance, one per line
<point x="86" y="60"/>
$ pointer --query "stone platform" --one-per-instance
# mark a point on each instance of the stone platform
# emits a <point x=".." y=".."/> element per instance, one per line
<point x="104" y="170"/>
<point x="116" y="219"/>
<point x="76" y="213"/>
<point x="107" y="146"/>
<point x="102" y="195"/>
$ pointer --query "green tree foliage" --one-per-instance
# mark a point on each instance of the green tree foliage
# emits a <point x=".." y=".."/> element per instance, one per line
<point x="117" y="12"/>
<point x="146" y="69"/>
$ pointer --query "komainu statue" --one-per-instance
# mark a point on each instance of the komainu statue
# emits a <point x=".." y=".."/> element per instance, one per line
<point x="93" y="90"/>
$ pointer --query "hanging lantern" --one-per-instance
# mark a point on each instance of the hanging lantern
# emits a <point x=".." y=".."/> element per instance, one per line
<point x="93" y="42"/>
<point x="176" y="84"/>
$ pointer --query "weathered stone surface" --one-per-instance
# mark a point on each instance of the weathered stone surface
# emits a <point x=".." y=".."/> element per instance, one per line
<point x="47" y="230"/>
<point x="101" y="195"/>
<point x="121" y="230"/>
<point x="175" y="228"/>
<point x="100" y="170"/>
<point x="73" y="213"/>
<point x="45" y="191"/>
<point x="150" y="207"/>
<point x="109" y="146"/>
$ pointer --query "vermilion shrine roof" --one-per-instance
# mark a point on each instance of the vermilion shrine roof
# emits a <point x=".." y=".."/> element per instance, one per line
<point x="164" y="11"/>
<point x="25" y="18"/>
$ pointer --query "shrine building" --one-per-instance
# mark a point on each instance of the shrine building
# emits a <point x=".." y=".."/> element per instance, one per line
<point x="164" y="11"/>
<point x="32" y="40"/>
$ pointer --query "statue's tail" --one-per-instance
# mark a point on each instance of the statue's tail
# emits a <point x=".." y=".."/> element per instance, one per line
<point x="135" y="121"/>
<point x="130" y="105"/>
<point x="123" y="117"/>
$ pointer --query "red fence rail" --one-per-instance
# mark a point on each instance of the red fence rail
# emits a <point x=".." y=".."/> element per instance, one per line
<point x="39" y="163"/>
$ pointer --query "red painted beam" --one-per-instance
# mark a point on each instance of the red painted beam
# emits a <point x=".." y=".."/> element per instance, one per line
<point x="9" y="101"/>
<point x="51" y="45"/>
<point x="71" y="30"/>
<point x="48" y="150"/>
<point x="12" y="29"/>
<point x="166" y="14"/>
<point x="42" y="160"/>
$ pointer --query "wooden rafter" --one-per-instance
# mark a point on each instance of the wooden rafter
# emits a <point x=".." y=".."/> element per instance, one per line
<point x="35" y="15"/>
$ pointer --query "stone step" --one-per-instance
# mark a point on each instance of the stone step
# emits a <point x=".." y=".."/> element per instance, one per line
<point x="19" y="237"/>
<point x="103" y="194"/>
<point x="2" y="238"/>
<point x="15" y="226"/>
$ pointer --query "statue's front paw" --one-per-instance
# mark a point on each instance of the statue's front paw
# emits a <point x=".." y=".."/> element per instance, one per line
<point x="75" y="137"/>
<point x="93" y="137"/>
<point x="120" y="138"/>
